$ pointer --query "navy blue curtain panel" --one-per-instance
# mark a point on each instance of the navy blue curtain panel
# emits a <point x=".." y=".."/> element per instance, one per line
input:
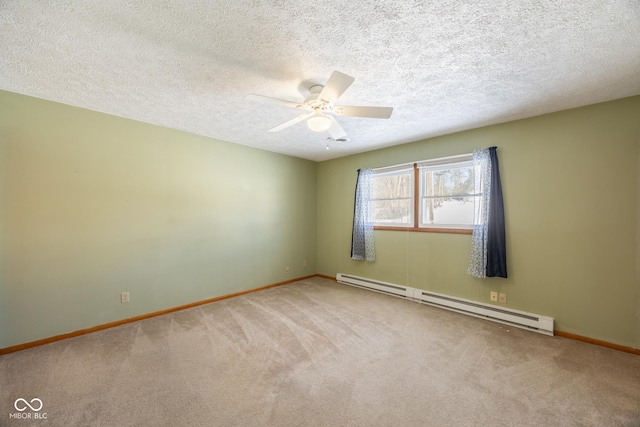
<point x="496" y="241"/>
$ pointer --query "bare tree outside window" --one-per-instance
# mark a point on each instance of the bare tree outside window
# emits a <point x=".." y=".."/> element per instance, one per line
<point x="393" y="198"/>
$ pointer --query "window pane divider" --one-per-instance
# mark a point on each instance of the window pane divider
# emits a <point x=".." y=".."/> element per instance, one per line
<point x="425" y="229"/>
<point x="447" y="196"/>
<point x="416" y="195"/>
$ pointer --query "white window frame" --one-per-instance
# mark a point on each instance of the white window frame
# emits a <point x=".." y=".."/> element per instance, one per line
<point x="398" y="170"/>
<point x="441" y="164"/>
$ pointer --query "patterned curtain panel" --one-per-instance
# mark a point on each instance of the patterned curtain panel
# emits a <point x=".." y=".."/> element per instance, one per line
<point x="488" y="243"/>
<point x="362" y="247"/>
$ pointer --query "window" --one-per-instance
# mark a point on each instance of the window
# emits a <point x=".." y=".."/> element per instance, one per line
<point x="432" y="195"/>
<point x="447" y="195"/>
<point x="393" y="197"/>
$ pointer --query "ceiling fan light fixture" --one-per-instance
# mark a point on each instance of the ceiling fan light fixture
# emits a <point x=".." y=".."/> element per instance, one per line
<point x="319" y="123"/>
<point x="321" y="100"/>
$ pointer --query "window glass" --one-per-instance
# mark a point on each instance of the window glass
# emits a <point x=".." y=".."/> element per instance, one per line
<point x="447" y="196"/>
<point x="393" y="198"/>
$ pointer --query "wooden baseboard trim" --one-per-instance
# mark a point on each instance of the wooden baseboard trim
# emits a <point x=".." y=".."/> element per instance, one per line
<point x="80" y="332"/>
<point x="601" y="343"/>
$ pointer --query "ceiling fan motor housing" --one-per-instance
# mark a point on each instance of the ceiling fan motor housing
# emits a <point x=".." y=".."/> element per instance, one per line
<point x="313" y="102"/>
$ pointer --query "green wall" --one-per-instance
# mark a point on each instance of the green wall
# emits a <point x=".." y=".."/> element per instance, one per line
<point x="570" y="182"/>
<point x="92" y="205"/>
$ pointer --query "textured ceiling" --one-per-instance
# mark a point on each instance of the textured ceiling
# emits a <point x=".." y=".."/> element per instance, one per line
<point x="444" y="66"/>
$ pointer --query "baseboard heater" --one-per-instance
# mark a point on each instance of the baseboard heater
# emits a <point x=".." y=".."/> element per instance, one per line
<point x="507" y="316"/>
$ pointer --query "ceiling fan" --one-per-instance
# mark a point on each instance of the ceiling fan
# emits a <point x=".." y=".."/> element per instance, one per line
<point x="320" y="102"/>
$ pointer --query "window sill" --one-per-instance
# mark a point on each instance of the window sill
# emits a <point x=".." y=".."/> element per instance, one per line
<point x="426" y="230"/>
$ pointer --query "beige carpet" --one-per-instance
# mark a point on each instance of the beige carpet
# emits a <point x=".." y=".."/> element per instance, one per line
<point x="317" y="353"/>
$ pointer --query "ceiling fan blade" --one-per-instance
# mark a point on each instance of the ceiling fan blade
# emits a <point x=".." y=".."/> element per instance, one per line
<point x="370" y="112"/>
<point x="335" y="130"/>
<point x="290" y="122"/>
<point x="271" y="101"/>
<point x="337" y="84"/>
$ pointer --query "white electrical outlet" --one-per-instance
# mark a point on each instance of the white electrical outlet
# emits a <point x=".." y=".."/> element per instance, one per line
<point x="286" y="269"/>
<point x="124" y="297"/>
<point x="493" y="296"/>
<point x="304" y="263"/>
<point x="502" y="298"/>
